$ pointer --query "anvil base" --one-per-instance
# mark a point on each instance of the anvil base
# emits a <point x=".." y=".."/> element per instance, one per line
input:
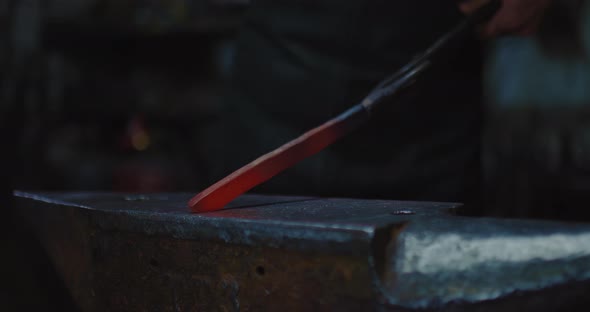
<point x="119" y="252"/>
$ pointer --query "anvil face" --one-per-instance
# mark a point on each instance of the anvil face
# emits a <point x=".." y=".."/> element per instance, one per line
<point x="135" y="252"/>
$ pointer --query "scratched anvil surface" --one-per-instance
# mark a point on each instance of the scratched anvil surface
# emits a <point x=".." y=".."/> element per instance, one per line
<point x="119" y="252"/>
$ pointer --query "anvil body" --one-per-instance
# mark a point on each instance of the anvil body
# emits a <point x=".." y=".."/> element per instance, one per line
<point x="149" y="253"/>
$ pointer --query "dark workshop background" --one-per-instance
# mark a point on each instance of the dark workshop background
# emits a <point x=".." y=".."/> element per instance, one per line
<point x="111" y="95"/>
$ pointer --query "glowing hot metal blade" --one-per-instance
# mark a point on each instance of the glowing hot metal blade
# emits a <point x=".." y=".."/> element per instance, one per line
<point x="286" y="156"/>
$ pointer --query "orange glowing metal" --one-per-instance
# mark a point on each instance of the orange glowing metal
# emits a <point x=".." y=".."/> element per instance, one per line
<point x="269" y="165"/>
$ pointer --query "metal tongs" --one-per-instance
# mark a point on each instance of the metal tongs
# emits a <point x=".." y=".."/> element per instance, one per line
<point x="313" y="141"/>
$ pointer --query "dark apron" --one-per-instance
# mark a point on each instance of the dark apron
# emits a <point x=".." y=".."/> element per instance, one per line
<point x="300" y="63"/>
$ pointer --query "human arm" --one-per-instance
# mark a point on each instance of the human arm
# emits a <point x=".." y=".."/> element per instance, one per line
<point x="516" y="17"/>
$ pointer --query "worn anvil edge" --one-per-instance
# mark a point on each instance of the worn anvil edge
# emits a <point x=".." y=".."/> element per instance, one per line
<point x="344" y="236"/>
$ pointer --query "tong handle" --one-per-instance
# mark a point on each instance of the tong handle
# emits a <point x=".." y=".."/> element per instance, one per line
<point x="408" y="74"/>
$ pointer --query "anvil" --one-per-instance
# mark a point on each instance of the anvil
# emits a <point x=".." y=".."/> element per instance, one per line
<point x="119" y="252"/>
